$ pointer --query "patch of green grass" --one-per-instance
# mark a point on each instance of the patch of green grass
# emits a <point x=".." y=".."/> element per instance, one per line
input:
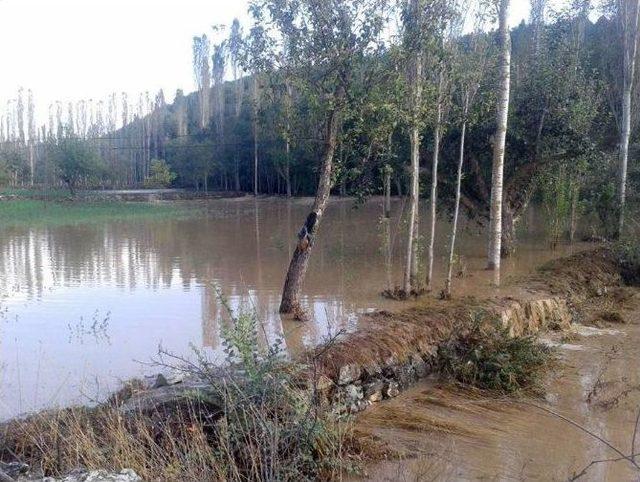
<point x="45" y="213"/>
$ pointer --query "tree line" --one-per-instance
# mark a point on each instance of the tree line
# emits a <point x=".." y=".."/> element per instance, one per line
<point x="430" y="98"/>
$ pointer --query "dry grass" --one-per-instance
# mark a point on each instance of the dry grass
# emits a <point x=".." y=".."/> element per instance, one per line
<point x="158" y="448"/>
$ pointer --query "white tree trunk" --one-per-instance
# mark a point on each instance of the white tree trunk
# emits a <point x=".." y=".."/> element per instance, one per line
<point x="630" y="46"/>
<point x="414" y="138"/>
<point x="495" y="220"/>
<point x="456" y="212"/>
<point x="434" y="191"/>
<point x="255" y="134"/>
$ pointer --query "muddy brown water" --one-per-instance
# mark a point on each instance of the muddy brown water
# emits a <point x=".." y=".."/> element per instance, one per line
<point x="85" y="306"/>
<point x="439" y="432"/>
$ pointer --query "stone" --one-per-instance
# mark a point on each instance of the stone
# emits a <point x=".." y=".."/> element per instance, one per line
<point x="349" y="373"/>
<point x="167" y="379"/>
<point x="125" y="475"/>
<point x="373" y="391"/>
<point x="419" y="365"/>
<point x="372" y="370"/>
<point x="354" y="392"/>
<point x="391" y="390"/>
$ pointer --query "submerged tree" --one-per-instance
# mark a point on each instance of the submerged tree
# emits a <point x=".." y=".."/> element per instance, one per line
<point x="327" y="42"/>
<point x="497" y="176"/>
<point x="628" y="12"/>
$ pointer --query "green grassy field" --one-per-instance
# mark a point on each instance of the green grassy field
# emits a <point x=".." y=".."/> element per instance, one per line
<point x="37" y="212"/>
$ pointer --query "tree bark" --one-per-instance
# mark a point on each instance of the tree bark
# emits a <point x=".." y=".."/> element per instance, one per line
<point x="306" y="237"/>
<point x="387" y="193"/>
<point x="434" y="187"/>
<point x="456" y="212"/>
<point x="497" y="177"/>
<point x="414" y="138"/>
<point x="255" y="134"/>
<point x="573" y="222"/>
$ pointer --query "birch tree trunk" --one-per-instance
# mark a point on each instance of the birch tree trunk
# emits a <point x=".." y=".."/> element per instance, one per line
<point x="255" y="134"/>
<point x="386" y="212"/>
<point x="495" y="219"/>
<point x="414" y="138"/>
<point x="456" y="212"/>
<point x="306" y="237"/>
<point x="287" y="169"/>
<point x="434" y="185"/>
<point x="630" y="46"/>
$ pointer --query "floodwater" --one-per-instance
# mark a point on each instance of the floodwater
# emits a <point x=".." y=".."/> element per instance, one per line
<point x="442" y="433"/>
<point x="85" y="306"/>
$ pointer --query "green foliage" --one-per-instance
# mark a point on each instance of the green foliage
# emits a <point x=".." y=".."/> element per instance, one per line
<point x="161" y="175"/>
<point x="487" y="357"/>
<point x="627" y="251"/>
<point x="556" y="189"/>
<point x="76" y="161"/>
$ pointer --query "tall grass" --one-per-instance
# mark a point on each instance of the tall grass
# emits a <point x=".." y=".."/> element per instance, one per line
<point x="46" y="213"/>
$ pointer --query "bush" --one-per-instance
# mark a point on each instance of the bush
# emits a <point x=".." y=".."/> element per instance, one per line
<point x="487" y="357"/>
<point x="627" y="253"/>
<point x="161" y="175"/>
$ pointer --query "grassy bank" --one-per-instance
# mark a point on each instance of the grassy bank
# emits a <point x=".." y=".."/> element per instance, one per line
<point x="62" y="212"/>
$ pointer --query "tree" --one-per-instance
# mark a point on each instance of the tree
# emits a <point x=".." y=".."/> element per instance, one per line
<point x="202" y="74"/>
<point x="327" y="41"/>
<point x="470" y="70"/>
<point x="76" y="161"/>
<point x="628" y="12"/>
<point x="502" y="114"/>
<point x="235" y="45"/>
<point x="161" y="176"/>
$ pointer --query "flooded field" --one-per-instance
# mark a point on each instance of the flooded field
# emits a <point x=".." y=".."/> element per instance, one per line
<point x="442" y="433"/>
<point x="84" y="306"/>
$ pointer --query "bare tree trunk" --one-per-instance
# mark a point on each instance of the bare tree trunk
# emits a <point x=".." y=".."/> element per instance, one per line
<point x="387" y="193"/>
<point x="456" y="212"/>
<point x="255" y="134"/>
<point x="306" y="237"/>
<point x="414" y="137"/>
<point x="413" y="210"/>
<point x="630" y="47"/>
<point x="434" y="190"/>
<point x="287" y="170"/>
<point x="497" y="177"/>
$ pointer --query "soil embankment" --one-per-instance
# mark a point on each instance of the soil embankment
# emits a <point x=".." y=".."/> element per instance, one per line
<point x="393" y="350"/>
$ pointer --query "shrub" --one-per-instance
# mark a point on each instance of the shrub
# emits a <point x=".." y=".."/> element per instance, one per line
<point x="161" y="175"/>
<point x="487" y="357"/>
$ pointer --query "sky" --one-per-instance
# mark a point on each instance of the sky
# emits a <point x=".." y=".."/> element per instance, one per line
<point x="81" y="49"/>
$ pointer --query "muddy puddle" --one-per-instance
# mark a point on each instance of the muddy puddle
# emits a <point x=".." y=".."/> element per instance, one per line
<point x="85" y="306"/>
<point x="439" y="432"/>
